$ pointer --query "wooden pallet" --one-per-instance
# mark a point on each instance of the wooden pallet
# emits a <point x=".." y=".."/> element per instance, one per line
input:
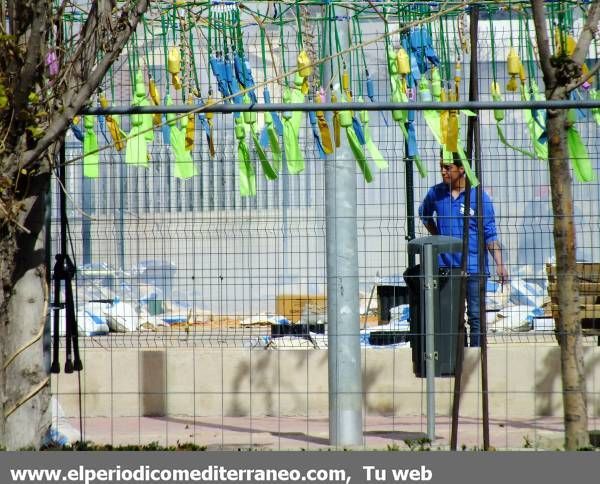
<point x="586" y="311"/>
<point x="586" y="272"/>
<point x="588" y="277"/>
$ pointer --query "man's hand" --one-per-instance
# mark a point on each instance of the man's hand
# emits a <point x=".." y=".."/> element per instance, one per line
<point x="502" y="273"/>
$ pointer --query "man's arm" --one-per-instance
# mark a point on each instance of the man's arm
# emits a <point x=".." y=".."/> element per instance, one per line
<point x="491" y="237"/>
<point x="426" y="211"/>
<point x="431" y="227"/>
<point x="495" y="250"/>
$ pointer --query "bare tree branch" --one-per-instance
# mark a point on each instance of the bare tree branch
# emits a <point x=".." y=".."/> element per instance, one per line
<point x="375" y="9"/>
<point x="30" y="74"/>
<point x="587" y="34"/>
<point x="538" y="11"/>
<point x="80" y="95"/>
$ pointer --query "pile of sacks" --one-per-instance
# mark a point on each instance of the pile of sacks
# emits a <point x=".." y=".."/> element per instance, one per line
<point x="516" y="305"/>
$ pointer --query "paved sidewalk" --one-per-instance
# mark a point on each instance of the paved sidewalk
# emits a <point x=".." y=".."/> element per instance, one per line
<point x="301" y="433"/>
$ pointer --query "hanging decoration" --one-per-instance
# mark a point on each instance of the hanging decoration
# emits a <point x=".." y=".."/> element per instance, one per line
<point x="184" y="164"/>
<point x="209" y="52"/>
<point x="371" y="147"/>
<point x="325" y="133"/>
<point x="291" y="127"/>
<point x="136" y="152"/>
<point x="246" y="176"/>
<point x="91" y="156"/>
<point x="355" y="145"/>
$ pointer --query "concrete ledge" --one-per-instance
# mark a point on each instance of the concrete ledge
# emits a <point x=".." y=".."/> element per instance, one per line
<point x="524" y="382"/>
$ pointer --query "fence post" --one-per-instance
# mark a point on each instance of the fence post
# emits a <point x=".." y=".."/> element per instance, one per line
<point x="345" y="372"/>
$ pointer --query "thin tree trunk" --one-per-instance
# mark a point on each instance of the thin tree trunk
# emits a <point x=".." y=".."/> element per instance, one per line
<point x="24" y="382"/>
<point x="24" y="179"/>
<point x="568" y="323"/>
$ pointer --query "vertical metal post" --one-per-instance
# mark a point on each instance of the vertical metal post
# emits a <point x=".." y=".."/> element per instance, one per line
<point x="87" y="204"/>
<point x="430" y="353"/>
<point x="481" y="251"/>
<point x="47" y="336"/>
<point x="345" y="372"/>
<point x="410" y="201"/>
<point x="285" y="271"/>
<point x="122" y="190"/>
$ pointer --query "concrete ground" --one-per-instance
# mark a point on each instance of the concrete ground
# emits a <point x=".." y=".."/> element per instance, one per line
<point x="301" y="433"/>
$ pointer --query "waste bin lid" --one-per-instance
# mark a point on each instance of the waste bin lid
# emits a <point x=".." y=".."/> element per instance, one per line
<point x="394" y="280"/>
<point x="440" y="244"/>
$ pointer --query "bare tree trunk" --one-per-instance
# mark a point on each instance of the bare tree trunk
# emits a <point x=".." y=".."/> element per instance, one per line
<point x="561" y="74"/>
<point x="30" y="129"/>
<point x="24" y="382"/>
<point x="568" y="323"/>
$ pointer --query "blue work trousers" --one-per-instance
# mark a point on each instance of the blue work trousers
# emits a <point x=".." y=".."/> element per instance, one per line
<point x="473" y="315"/>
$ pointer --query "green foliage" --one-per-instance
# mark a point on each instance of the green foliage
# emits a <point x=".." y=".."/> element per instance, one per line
<point x="418" y="445"/>
<point x="152" y="446"/>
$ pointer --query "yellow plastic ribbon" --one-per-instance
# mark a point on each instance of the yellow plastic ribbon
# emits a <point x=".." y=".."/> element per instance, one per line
<point x="112" y="123"/>
<point x="323" y="126"/>
<point x="336" y="124"/>
<point x="190" y="131"/>
<point x="513" y="63"/>
<point x="209" y="119"/>
<point x="174" y="66"/>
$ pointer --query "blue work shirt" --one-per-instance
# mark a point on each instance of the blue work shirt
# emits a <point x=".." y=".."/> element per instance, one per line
<point x="447" y="213"/>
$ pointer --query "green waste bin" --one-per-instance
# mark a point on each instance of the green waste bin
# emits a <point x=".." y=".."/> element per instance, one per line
<point x="446" y="305"/>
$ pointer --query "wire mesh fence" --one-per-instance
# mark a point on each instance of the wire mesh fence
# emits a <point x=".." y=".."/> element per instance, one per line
<point x="182" y="277"/>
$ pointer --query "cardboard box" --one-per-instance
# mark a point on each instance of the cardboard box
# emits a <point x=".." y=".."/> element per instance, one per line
<point x="292" y="305"/>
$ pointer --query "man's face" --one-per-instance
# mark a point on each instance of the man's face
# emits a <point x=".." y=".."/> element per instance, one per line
<point x="451" y="173"/>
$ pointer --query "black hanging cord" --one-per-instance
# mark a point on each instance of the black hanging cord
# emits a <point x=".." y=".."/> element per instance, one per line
<point x="64" y="270"/>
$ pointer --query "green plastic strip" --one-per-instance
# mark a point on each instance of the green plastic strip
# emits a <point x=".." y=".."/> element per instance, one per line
<point x="247" y="177"/>
<point x="505" y="142"/>
<point x="372" y="149"/>
<point x="533" y="126"/>
<point x="274" y="144"/>
<point x="269" y="171"/>
<point x="291" y="136"/>
<point x="184" y="164"/>
<point x="582" y="165"/>
<point x="136" y="151"/>
<point x="421" y="168"/>
<point x="359" y="154"/>
<point x="91" y="156"/>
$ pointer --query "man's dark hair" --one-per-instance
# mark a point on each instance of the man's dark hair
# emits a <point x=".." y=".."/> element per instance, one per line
<point x="456" y="161"/>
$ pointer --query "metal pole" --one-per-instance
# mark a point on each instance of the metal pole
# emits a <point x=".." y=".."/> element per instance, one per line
<point x="284" y="273"/>
<point x="87" y="204"/>
<point x="122" y="190"/>
<point x="460" y="333"/>
<point x="430" y="353"/>
<point x="352" y="106"/>
<point x="410" y="201"/>
<point x="345" y="372"/>
<point x="474" y="21"/>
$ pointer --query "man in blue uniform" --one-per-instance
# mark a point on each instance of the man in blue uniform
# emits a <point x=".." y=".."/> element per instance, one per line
<point x="442" y="213"/>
